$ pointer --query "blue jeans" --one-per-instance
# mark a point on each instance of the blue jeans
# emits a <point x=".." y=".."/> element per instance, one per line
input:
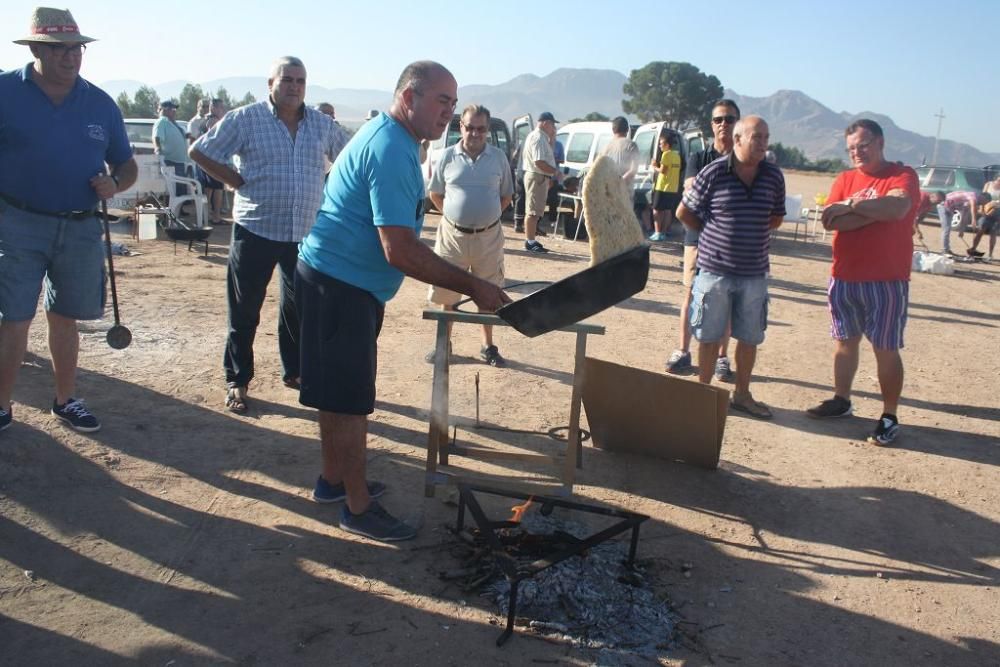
<point x="66" y="256"/>
<point x="252" y="260"/>
<point x="945" y="220"/>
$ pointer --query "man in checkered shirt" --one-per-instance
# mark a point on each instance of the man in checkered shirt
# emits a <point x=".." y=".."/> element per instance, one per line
<point x="279" y="145"/>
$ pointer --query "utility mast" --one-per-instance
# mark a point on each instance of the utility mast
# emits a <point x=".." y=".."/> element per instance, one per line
<point x="937" y="137"/>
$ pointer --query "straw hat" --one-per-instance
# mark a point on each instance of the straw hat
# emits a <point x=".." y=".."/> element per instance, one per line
<point x="53" y="26"/>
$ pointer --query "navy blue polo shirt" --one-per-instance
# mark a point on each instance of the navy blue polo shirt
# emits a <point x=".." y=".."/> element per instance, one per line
<point x="49" y="153"/>
<point x="736" y="238"/>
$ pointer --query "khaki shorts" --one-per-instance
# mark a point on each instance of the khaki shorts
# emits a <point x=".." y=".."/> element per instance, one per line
<point x="690" y="264"/>
<point x="536" y="192"/>
<point x="481" y="254"/>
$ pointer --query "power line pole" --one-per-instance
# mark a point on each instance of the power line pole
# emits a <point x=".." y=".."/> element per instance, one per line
<point x="937" y="137"/>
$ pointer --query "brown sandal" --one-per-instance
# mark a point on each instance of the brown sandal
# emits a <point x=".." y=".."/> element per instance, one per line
<point x="752" y="408"/>
<point x="236" y="399"/>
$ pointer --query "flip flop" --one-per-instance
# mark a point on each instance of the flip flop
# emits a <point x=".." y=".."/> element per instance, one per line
<point x="236" y="400"/>
<point x="754" y="409"/>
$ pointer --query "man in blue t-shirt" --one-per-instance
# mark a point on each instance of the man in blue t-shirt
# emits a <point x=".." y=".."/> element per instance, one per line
<point x="365" y="240"/>
<point x="59" y="136"/>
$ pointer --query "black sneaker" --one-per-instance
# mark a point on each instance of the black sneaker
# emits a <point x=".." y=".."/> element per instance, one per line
<point x="6" y="417"/>
<point x="679" y="363"/>
<point x="326" y="493"/>
<point x="886" y="430"/>
<point x="491" y="355"/>
<point x="376" y="523"/>
<point x="534" y="246"/>
<point x="832" y="407"/>
<point x="974" y="253"/>
<point x="76" y="415"/>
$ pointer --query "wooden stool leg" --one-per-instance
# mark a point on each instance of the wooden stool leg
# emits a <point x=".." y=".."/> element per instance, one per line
<point x="437" y="437"/>
<point x="574" y="448"/>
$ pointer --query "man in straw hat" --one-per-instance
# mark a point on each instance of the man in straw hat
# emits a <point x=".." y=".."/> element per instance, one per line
<point x="63" y="148"/>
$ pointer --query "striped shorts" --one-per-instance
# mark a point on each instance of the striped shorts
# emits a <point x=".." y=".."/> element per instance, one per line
<point x="876" y="309"/>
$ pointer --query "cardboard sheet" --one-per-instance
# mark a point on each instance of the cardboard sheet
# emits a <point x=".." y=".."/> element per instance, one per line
<point x="638" y="411"/>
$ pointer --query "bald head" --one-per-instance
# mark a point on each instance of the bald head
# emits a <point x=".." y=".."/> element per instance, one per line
<point x="750" y="139"/>
<point x="418" y="75"/>
<point x="425" y="99"/>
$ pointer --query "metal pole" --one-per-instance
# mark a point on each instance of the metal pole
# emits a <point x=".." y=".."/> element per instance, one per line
<point x="937" y="137"/>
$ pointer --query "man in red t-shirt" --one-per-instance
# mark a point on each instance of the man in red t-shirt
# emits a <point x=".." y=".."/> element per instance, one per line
<point x="872" y="219"/>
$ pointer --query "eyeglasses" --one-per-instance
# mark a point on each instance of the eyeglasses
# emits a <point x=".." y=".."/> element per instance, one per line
<point x="475" y="129"/>
<point x="728" y="119"/>
<point x="859" y="148"/>
<point x="62" y="49"/>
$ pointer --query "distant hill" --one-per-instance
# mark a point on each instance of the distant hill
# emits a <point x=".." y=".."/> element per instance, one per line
<point x="795" y="118"/>
<point x="798" y="120"/>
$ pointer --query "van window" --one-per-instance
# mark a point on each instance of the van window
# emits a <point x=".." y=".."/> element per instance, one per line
<point x="602" y="143"/>
<point x="563" y="138"/>
<point x="645" y="141"/>
<point x="941" y="178"/>
<point x="579" y="147"/>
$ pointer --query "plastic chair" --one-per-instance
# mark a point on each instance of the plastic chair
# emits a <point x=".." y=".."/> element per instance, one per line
<point x="793" y="213"/>
<point x="194" y="188"/>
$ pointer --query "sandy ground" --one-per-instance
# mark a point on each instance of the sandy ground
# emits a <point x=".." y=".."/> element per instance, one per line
<point x="182" y="534"/>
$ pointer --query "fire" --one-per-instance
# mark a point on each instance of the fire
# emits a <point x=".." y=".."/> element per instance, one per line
<point x="519" y="510"/>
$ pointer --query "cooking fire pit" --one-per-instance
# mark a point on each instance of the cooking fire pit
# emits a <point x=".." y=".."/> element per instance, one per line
<point x="531" y="554"/>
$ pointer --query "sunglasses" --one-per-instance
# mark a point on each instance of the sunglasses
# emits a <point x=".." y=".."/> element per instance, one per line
<point x="728" y="119"/>
<point x="475" y="129"/>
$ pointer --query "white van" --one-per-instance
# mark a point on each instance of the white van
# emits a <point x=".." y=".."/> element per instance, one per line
<point x="150" y="180"/>
<point x="584" y="141"/>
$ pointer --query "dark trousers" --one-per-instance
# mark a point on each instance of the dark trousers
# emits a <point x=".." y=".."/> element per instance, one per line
<point x="251" y="263"/>
<point x="518" y="203"/>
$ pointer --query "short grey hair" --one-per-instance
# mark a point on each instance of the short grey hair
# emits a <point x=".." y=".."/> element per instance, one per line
<point x="474" y="110"/>
<point x="284" y="61"/>
<point x="416" y="75"/>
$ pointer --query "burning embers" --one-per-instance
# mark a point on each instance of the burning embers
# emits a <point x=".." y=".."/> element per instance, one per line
<point x="574" y="584"/>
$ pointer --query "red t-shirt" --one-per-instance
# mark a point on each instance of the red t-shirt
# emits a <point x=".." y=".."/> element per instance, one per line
<point x="882" y="250"/>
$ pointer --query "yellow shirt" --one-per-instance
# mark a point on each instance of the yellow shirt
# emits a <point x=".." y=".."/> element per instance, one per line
<point x="670" y="181"/>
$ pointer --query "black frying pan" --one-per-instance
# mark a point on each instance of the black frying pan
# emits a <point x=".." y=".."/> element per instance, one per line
<point x="581" y="295"/>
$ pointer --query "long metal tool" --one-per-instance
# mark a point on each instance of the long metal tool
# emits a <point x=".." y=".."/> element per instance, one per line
<point x="119" y="337"/>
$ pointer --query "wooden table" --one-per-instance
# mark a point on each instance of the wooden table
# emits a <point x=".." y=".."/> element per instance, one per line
<point x="438" y="446"/>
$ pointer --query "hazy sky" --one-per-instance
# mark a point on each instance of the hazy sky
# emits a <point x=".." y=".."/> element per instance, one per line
<point x="903" y="59"/>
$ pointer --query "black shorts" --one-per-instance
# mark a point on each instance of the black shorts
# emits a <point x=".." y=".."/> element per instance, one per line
<point x="665" y="201"/>
<point x="338" y="338"/>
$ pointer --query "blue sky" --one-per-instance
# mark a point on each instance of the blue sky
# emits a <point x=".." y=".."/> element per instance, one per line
<point x="903" y="59"/>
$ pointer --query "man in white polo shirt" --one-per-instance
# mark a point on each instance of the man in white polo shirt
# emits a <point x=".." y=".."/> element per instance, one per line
<point x="472" y="185"/>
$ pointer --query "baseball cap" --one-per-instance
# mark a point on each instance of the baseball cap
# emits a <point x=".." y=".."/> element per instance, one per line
<point x="546" y="115"/>
<point x="168" y="104"/>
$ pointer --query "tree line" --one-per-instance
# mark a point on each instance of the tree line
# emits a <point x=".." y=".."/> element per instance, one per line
<point x="682" y="96"/>
<point x="146" y="101"/>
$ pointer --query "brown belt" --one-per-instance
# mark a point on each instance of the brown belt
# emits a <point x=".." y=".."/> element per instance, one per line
<point x="479" y="230"/>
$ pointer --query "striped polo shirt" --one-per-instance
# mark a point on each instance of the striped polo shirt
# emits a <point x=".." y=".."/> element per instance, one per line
<point x="735" y="239"/>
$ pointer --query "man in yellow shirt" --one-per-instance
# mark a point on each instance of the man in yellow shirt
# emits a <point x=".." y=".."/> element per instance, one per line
<point x="666" y="190"/>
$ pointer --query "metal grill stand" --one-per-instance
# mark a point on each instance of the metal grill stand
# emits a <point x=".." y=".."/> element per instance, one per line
<point x="516" y="572"/>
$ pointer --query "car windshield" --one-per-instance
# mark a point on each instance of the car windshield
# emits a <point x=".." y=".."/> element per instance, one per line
<point x="139" y="133"/>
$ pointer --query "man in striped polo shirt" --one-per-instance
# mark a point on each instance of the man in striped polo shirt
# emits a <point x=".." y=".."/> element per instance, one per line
<point x="872" y="219"/>
<point x="734" y="203"/>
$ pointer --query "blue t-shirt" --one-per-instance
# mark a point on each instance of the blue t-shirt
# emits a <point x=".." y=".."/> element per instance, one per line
<point x="49" y="153"/>
<point x="375" y="182"/>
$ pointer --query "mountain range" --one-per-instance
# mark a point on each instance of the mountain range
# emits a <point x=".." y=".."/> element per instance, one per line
<point x="795" y="119"/>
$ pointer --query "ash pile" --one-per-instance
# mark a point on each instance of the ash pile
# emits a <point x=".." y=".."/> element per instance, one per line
<point x="594" y="600"/>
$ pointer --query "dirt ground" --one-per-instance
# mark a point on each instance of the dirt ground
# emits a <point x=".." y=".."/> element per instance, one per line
<point x="182" y="534"/>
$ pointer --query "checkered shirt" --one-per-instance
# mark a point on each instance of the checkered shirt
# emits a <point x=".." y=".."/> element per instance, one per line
<point x="283" y="177"/>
